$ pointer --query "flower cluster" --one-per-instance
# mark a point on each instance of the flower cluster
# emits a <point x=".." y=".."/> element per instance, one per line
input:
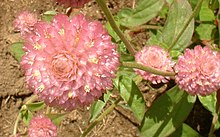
<point x="157" y="58"/>
<point x="70" y="62"/>
<point x="24" y="22"/>
<point x="73" y="3"/>
<point x="41" y="126"/>
<point x="198" y="71"/>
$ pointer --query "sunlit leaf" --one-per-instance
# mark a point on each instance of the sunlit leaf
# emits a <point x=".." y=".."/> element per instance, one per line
<point x="144" y="12"/>
<point x="206" y="14"/>
<point x="98" y="106"/>
<point x="35" y="106"/>
<point x="17" y="51"/>
<point x="132" y="95"/>
<point x="167" y="113"/>
<point x="185" y="131"/>
<point x="26" y="116"/>
<point x="48" y="15"/>
<point x="209" y="102"/>
<point x="57" y="118"/>
<point x="179" y="13"/>
<point x="206" y="31"/>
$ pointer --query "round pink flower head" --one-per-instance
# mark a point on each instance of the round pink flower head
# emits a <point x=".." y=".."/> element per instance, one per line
<point x="157" y="58"/>
<point x="70" y="62"/>
<point x="41" y="126"/>
<point x="73" y="3"/>
<point x="198" y="71"/>
<point x="24" y="22"/>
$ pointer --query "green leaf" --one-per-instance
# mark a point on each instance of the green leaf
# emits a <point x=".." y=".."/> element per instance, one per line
<point x="132" y="95"/>
<point x="26" y="116"/>
<point x="112" y="32"/>
<point x="98" y="106"/>
<point x="167" y="113"/>
<point x="206" y="14"/>
<point x="144" y="12"/>
<point x="17" y="51"/>
<point x="179" y="13"/>
<point x="206" y="31"/>
<point x="209" y="102"/>
<point x="35" y="106"/>
<point x="48" y="15"/>
<point x="185" y="131"/>
<point x="57" y="118"/>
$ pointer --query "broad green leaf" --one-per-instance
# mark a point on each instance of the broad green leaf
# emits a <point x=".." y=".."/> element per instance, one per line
<point x="17" y="51"/>
<point x="206" y="31"/>
<point x="35" y="106"/>
<point x="179" y="13"/>
<point x="167" y="113"/>
<point x="209" y="102"/>
<point x="132" y="95"/>
<point x="98" y="106"/>
<point x="155" y="39"/>
<point x="144" y="12"/>
<point x="56" y="118"/>
<point x="26" y="116"/>
<point x="185" y="131"/>
<point x="48" y="15"/>
<point x="206" y="14"/>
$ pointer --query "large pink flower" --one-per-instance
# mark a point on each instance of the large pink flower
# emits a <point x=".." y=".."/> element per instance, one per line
<point x="70" y="62"/>
<point x="198" y="71"/>
<point x="41" y="126"/>
<point x="73" y="3"/>
<point x="155" y="57"/>
<point x="25" y="21"/>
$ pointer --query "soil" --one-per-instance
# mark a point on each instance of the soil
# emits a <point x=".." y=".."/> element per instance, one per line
<point x="13" y="92"/>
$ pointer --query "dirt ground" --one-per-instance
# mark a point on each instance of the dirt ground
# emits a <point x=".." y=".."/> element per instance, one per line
<point x="13" y="92"/>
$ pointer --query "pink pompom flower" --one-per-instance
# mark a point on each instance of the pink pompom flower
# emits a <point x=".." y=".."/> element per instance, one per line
<point x="198" y="71"/>
<point x="24" y="22"/>
<point x="41" y="126"/>
<point x="157" y="58"/>
<point x="73" y="3"/>
<point x="70" y="62"/>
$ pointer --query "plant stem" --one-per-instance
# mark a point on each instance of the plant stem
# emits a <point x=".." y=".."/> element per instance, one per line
<point x="148" y="69"/>
<point x="186" y="25"/>
<point x="113" y="24"/>
<point x="32" y="99"/>
<point x="215" y="117"/>
<point x="96" y="121"/>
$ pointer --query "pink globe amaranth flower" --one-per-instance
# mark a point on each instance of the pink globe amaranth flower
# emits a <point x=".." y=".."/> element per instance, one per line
<point x="73" y="3"/>
<point x="41" y="126"/>
<point x="24" y="22"/>
<point x="157" y="58"/>
<point x="198" y="71"/>
<point x="70" y="62"/>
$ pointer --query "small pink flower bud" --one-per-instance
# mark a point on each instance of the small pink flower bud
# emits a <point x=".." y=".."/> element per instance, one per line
<point x="157" y="58"/>
<point x="41" y="126"/>
<point x="24" y="22"/>
<point x="198" y="71"/>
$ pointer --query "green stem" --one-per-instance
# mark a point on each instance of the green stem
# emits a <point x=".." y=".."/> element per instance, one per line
<point x="186" y="25"/>
<point x="148" y="69"/>
<point x="215" y="117"/>
<point x="113" y="24"/>
<point x="100" y="118"/>
<point x="32" y="99"/>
